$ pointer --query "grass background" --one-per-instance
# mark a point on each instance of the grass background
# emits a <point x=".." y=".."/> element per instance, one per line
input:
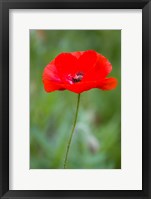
<point x="97" y="139"/>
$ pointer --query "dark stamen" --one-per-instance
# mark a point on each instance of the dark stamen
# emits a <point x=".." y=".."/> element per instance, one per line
<point x="77" y="78"/>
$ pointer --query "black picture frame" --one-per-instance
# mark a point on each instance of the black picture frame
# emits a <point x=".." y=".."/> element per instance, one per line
<point x="5" y="5"/>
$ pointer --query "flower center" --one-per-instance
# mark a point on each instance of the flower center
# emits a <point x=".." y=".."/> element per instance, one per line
<point x="78" y="77"/>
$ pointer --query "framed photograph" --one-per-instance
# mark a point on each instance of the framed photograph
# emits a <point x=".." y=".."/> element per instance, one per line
<point x="75" y="99"/>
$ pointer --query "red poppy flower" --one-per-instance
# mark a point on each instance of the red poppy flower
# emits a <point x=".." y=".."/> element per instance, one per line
<point x="78" y="72"/>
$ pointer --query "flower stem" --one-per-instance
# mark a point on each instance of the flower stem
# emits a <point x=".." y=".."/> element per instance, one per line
<point x="72" y="131"/>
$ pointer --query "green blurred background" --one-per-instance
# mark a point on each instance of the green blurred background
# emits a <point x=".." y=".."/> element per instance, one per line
<point x="96" y="142"/>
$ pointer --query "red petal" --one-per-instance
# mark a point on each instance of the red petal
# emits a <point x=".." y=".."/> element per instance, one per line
<point x="66" y="64"/>
<point x="108" y="84"/>
<point x="51" y="73"/>
<point x="100" y="70"/>
<point x="50" y="86"/>
<point x="87" y="61"/>
<point x="50" y="78"/>
<point x="104" y="65"/>
<point x="81" y="86"/>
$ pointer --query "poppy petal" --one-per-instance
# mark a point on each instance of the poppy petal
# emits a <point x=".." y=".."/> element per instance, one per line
<point x="103" y="65"/>
<point x="100" y="70"/>
<point x="50" y="86"/>
<point x="87" y="61"/>
<point x="50" y="77"/>
<point x="81" y="87"/>
<point x="51" y="73"/>
<point x="66" y="65"/>
<point x="108" y="84"/>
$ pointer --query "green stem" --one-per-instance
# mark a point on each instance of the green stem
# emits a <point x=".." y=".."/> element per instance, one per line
<point x="72" y="131"/>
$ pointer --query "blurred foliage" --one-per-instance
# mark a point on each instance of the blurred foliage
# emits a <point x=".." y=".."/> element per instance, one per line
<point x="96" y="142"/>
